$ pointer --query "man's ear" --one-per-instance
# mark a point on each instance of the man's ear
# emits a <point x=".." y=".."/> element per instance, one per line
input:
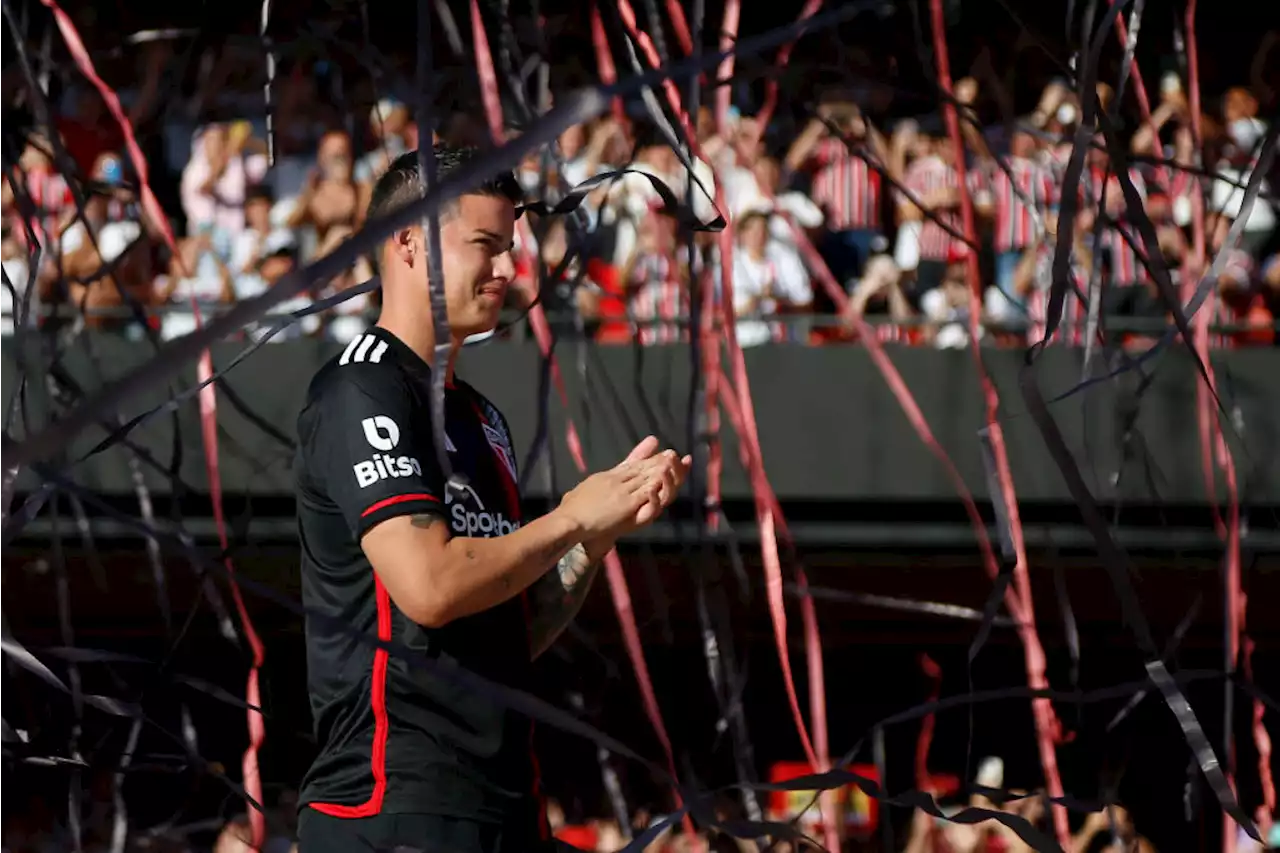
<point x="406" y="246"/>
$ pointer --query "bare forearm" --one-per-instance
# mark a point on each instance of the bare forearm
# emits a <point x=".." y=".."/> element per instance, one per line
<point x="558" y="595"/>
<point x="477" y="574"/>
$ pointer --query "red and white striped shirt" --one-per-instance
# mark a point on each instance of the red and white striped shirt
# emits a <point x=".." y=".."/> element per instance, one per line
<point x="50" y="195"/>
<point x="1075" y="312"/>
<point x="927" y="175"/>
<point x="657" y="294"/>
<point x="1239" y="304"/>
<point x="1126" y="266"/>
<point x="845" y="187"/>
<point x="896" y="333"/>
<point x="1015" y="225"/>
<point x="1180" y="182"/>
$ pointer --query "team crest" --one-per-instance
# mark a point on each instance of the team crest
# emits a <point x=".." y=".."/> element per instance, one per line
<point x="501" y="447"/>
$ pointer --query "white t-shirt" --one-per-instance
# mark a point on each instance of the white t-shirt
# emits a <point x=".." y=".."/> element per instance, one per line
<point x="779" y="274"/>
<point x="741" y="190"/>
<point x="15" y="269"/>
<point x="113" y="238"/>
<point x="204" y="286"/>
<point x="954" y="330"/>
<point x="249" y="286"/>
<point x="1230" y="199"/>
<point x="575" y="171"/>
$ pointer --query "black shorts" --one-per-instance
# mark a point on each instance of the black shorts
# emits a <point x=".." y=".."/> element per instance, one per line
<point x="412" y="833"/>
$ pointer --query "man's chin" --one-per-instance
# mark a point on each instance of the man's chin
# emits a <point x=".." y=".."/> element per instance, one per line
<point x="483" y="323"/>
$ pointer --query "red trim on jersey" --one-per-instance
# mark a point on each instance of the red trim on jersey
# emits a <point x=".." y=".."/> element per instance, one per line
<point x="398" y="499"/>
<point x="378" y="699"/>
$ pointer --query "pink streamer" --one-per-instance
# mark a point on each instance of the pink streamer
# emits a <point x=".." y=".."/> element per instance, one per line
<point x="208" y="409"/>
<point x="724" y="90"/>
<point x="1047" y="729"/>
<point x="542" y="331"/>
<point x="1211" y="439"/>
<point x="810" y="9"/>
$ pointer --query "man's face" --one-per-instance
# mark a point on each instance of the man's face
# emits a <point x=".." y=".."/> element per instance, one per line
<point x="755" y="234"/>
<point x="334" y="156"/>
<point x="276" y="267"/>
<point x="1022" y="145"/>
<point x="476" y="241"/>
<point x="257" y="213"/>
<point x="572" y="141"/>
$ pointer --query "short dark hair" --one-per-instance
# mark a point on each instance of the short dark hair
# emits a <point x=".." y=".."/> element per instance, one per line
<point x="259" y="192"/>
<point x="401" y="185"/>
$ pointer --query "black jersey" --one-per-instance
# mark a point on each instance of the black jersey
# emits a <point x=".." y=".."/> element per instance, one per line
<point x="393" y="738"/>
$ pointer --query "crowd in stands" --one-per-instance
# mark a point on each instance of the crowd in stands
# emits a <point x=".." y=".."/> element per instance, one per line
<point x="882" y="205"/>
<point x="1109" y="831"/>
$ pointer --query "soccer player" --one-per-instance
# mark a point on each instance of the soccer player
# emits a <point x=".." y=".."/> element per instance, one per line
<point x="408" y="758"/>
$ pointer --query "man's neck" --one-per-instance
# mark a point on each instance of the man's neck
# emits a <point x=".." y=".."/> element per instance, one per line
<point x="416" y="330"/>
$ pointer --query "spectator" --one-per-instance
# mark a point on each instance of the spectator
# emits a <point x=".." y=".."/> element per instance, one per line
<point x="1116" y="827"/>
<point x="1033" y="281"/>
<point x="835" y="147"/>
<point x="215" y="180"/>
<point x="388" y="125"/>
<point x="1022" y="188"/>
<point x="946" y="307"/>
<point x="583" y="154"/>
<point x="933" y="182"/>
<point x="1241" y="300"/>
<point x="1130" y="290"/>
<point x="349" y="317"/>
<point x="16" y="274"/>
<point x="657" y="285"/>
<point x="738" y="163"/>
<point x="1244" y="132"/>
<point x="246" y="248"/>
<point x="103" y="261"/>
<point x="767" y="280"/>
<point x="879" y="293"/>
<point x="45" y="187"/>
<point x="331" y="196"/>
<point x="792" y="207"/>
<point x="197" y="281"/>
<point x="279" y="257"/>
<point x="906" y="147"/>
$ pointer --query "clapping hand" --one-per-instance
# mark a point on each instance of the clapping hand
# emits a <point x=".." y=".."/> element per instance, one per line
<point x="629" y="495"/>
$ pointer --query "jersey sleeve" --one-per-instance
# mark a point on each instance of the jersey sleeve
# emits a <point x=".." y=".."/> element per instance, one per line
<point x="370" y="447"/>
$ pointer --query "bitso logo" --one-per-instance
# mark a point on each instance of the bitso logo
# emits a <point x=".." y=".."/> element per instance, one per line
<point x="382" y="434"/>
<point x="467" y="522"/>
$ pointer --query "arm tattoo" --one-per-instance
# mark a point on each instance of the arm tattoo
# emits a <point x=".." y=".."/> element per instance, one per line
<point x="572" y="567"/>
<point x="558" y="596"/>
<point x="424" y="520"/>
